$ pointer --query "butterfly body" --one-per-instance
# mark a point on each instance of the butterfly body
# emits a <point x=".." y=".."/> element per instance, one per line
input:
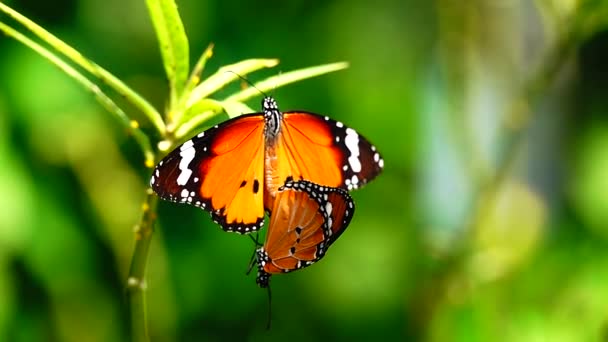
<point x="234" y="170"/>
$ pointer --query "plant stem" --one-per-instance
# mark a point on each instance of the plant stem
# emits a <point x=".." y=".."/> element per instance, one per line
<point x="136" y="282"/>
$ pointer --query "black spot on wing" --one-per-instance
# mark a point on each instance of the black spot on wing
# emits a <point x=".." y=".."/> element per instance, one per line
<point x="256" y="186"/>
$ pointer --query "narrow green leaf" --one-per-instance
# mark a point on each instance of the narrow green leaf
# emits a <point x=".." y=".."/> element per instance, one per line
<point x="225" y="75"/>
<point x="212" y="108"/>
<point x="203" y="106"/>
<point x="130" y="125"/>
<point x="197" y="121"/>
<point x="234" y="109"/>
<point x="173" y="43"/>
<point x="195" y="76"/>
<point x="284" y="79"/>
<point x="100" y="73"/>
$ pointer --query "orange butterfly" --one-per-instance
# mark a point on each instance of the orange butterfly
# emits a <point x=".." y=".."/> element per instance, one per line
<point x="234" y="169"/>
<point x="305" y="220"/>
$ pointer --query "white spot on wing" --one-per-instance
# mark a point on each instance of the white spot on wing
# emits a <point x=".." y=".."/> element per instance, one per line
<point x="186" y="145"/>
<point x="187" y="152"/>
<point x="352" y="143"/>
<point x="328" y="208"/>
<point x="185" y="193"/>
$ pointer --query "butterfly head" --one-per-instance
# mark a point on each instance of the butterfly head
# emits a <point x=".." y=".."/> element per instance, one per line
<point x="272" y="117"/>
<point x="269" y="104"/>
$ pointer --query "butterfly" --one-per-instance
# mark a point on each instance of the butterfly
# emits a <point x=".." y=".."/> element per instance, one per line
<point x="306" y="218"/>
<point x="233" y="170"/>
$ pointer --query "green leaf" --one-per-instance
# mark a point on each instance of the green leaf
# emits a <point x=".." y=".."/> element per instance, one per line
<point x="195" y="76"/>
<point x="204" y="109"/>
<point x="131" y="125"/>
<point x="225" y="75"/>
<point x="284" y="79"/>
<point x="100" y="73"/>
<point x="196" y="122"/>
<point x="207" y="109"/>
<point x="234" y="109"/>
<point x="194" y="112"/>
<point x="173" y="43"/>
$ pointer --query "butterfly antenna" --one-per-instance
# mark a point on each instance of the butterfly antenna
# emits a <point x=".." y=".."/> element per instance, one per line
<point x="251" y="262"/>
<point x="256" y="239"/>
<point x="248" y="82"/>
<point x="269" y="309"/>
<point x="274" y="86"/>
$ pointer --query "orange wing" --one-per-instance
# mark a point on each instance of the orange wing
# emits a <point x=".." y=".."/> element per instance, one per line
<point x="305" y="220"/>
<point x="323" y="151"/>
<point x="220" y="170"/>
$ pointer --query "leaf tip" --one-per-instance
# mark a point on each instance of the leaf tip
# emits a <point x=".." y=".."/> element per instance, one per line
<point x="209" y="50"/>
<point x="272" y="62"/>
<point x="164" y="145"/>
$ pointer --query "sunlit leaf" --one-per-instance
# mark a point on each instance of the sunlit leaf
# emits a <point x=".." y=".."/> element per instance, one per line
<point x="141" y="138"/>
<point x="100" y="73"/>
<point x="225" y="75"/>
<point x="195" y="76"/>
<point x="173" y="43"/>
<point x="210" y="108"/>
<point x="284" y="79"/>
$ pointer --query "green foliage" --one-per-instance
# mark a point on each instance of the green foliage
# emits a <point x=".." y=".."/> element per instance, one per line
<point x="487" y="224"/>
<point x="188" y="109"/>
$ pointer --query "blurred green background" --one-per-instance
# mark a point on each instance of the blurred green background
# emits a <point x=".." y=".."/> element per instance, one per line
<point x="490" y="222"/>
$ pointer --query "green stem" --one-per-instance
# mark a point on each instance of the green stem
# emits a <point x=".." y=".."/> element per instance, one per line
<point x="136" y="282"/>
<point x="103" y="75"/>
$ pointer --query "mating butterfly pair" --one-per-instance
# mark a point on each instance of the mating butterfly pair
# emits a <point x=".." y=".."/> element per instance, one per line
<point x="294" y="165"/>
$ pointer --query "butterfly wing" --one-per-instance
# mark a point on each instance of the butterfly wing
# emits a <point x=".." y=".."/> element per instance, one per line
<point x="306" y="219"/>
<point x="324" y="151"/>
<point x="221" y="171"/>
